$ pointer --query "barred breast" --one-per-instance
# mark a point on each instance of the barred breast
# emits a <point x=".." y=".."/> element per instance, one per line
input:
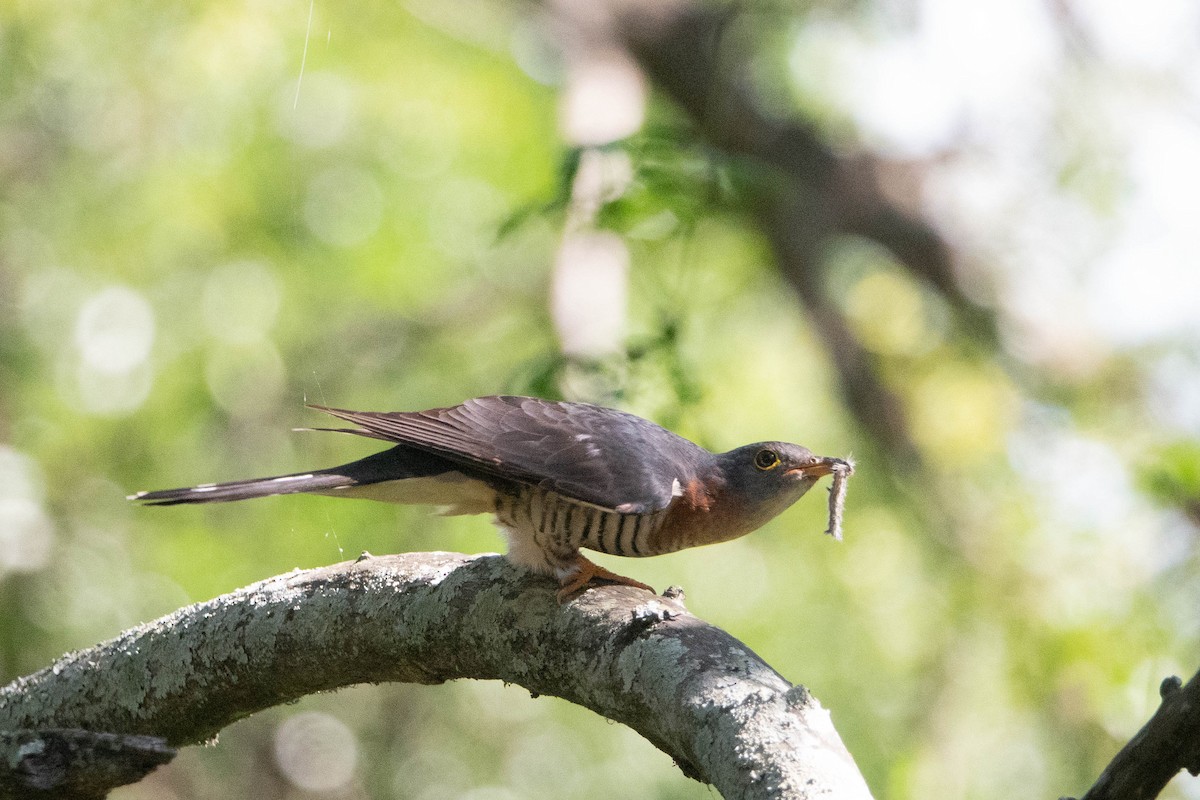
<point x="540" y="521"/>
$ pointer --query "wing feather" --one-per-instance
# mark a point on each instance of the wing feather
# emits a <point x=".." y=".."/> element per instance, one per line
<point x="595" y="454"/>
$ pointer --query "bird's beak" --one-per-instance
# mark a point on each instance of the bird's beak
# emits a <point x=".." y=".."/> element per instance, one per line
<point x="823" y="467"/>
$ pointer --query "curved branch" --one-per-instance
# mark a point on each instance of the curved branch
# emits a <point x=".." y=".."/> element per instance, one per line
<point x="1168" y="743"/>
<point x="691" y="689"/>
<point x="680" y="45"/>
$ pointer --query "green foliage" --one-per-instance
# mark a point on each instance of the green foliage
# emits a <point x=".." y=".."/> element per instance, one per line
<point x="1173" y="477"/>
<point x="197" y="236"/>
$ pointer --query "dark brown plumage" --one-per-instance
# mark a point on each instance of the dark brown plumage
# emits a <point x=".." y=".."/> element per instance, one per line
<point x="558" y="476"/>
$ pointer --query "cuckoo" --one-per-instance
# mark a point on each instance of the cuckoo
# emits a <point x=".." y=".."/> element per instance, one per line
<point x="559" y="477"/>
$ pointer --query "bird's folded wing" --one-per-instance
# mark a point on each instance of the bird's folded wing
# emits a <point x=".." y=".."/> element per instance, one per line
<point x="597" y="455"/>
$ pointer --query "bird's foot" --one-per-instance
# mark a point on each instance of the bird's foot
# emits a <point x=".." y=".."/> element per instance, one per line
<point x="586" y="572"/>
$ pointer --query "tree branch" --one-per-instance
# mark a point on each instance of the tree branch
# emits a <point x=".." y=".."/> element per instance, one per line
<point x="1168" y="743"/>
<point x="694" y="691"/>
<point x="74" y="764"/>
<point x="807" y="195"/>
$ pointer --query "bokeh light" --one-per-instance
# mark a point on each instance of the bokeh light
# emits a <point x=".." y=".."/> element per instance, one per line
<point x="604" y="99"/>
<point x="344" y="205"/>
<point x="26" y="530"/>
<point x="240" y="302"/>
<point x="114" y="331"/>
<point x="589" y="296"/>
<point x="315" y="751"/>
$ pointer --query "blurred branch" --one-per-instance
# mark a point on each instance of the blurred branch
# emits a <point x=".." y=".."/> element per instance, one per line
<point x="695" y="692"/>
<point x="808" y="193"/>
<point x="74" y="763"/>
<point x="1168" y="743"/>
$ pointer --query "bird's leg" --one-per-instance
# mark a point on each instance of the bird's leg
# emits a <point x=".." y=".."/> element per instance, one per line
<point x="585" y="572"/>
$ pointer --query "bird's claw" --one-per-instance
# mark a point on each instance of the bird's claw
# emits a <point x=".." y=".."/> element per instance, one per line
<point x="586" y="572"/>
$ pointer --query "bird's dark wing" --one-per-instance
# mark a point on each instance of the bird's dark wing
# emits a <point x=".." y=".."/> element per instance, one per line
<point x="594" y="454"/>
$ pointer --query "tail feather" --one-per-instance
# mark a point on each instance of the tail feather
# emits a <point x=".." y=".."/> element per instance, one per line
<point x="398" y="463"/>
<point x="355" y="431"/>
<point x="244" y="490"/>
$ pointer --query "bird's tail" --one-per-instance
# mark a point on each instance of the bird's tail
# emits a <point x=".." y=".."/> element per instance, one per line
<point x="396" y="464"/>
<point x="244" y="490"/>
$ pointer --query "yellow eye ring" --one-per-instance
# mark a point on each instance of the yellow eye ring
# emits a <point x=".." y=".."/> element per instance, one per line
<point x="766" y="459"/>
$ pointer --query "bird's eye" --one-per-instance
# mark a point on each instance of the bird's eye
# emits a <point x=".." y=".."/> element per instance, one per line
<point x="766" y="459"/>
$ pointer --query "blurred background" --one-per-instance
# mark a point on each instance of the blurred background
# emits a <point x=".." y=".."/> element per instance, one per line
<point x="213" y="213"/>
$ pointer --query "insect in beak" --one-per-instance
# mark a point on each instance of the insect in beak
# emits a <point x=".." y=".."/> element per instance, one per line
<point x="823" y="467"/>
<point x="841" y="469"/>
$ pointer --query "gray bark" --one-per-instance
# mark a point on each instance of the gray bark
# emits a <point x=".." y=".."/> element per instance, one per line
<point x="695" y="692"/>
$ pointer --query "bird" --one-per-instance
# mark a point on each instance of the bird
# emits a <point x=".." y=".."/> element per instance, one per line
<point x="558" y="477"/>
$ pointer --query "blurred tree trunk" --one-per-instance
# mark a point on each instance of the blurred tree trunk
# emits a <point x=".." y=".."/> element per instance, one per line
<point x="806" y="194"/>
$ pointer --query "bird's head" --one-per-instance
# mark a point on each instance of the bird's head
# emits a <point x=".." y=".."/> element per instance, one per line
<point x="762" y="480"/>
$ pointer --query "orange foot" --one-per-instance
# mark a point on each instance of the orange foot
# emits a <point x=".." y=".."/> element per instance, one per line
<point x="588" y="572"/>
